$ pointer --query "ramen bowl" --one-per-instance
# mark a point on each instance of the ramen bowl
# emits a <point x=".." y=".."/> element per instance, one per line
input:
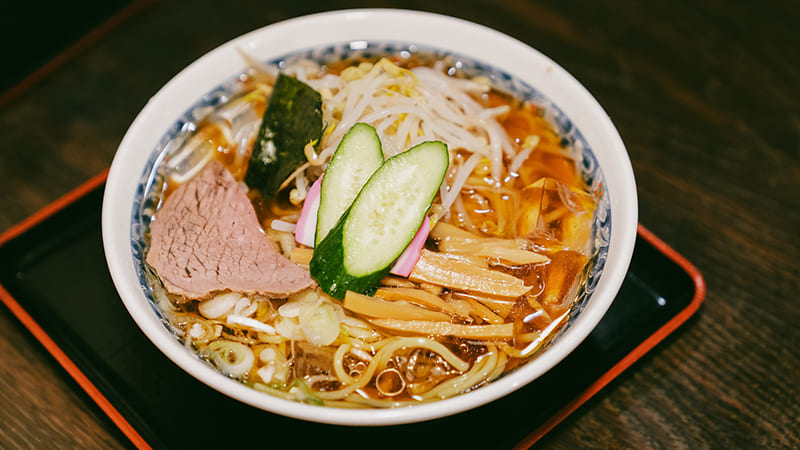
<point x="510" y="65"/>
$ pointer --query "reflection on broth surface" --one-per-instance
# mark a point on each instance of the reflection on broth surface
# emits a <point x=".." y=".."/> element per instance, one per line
<point x="510" y="239"/>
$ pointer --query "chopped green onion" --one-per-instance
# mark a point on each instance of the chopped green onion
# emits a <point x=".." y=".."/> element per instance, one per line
<point x="232" y="358"/>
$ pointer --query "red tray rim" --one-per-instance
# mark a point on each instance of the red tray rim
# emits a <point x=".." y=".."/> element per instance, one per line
<point x="127" y="429"/>
<point x="37" y="331"/>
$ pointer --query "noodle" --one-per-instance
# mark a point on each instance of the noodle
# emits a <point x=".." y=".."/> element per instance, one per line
<point x="482" y="367"/>
<point x="386" y="352"/>
<point x="338" y="364"/>
<point x="502" y="200"/>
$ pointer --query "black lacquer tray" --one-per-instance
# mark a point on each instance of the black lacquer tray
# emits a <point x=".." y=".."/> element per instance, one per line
<point x="54" y="278"/>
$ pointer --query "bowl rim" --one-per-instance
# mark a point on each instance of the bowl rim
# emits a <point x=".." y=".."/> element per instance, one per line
<point x="357" y="25"/>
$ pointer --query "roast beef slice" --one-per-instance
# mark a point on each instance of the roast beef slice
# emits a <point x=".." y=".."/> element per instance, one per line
<point x="206" y="238"/>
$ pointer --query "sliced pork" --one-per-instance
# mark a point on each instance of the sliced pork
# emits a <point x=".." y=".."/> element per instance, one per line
<point x="206" y="238"/>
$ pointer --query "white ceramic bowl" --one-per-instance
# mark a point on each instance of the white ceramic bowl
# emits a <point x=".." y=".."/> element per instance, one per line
<point x="510" y="63"/>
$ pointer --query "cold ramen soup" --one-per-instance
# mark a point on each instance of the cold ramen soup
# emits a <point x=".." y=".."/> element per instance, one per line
<point x="375" y="232"/>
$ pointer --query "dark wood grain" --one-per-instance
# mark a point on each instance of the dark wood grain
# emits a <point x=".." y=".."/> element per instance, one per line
<point x="706" y="96"/>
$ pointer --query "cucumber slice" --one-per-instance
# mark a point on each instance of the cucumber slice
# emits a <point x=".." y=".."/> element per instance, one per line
<point x="383" y="219"/>
<point x="357" y="157"/>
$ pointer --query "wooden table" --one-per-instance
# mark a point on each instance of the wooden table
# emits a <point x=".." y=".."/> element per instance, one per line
<point x="706" y="96"/>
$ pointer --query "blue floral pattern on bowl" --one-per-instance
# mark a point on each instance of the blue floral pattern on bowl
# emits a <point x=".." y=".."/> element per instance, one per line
<point x="146" y="199"/>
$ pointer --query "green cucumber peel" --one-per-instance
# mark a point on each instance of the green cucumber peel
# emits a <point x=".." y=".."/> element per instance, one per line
<point x="380" y="223"/>
<point x="357" y="157"/>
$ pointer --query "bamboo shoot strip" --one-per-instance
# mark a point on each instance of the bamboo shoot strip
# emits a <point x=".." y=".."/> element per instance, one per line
<point x="454" y="240"/>
<point x="375" y="307"/>
<point x="417" y="296"/>
<point x="437" y="269"/>
<point x="428" y="328"/>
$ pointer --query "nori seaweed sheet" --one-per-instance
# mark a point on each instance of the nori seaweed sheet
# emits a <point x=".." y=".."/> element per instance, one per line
<point x="293" y="119"/>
